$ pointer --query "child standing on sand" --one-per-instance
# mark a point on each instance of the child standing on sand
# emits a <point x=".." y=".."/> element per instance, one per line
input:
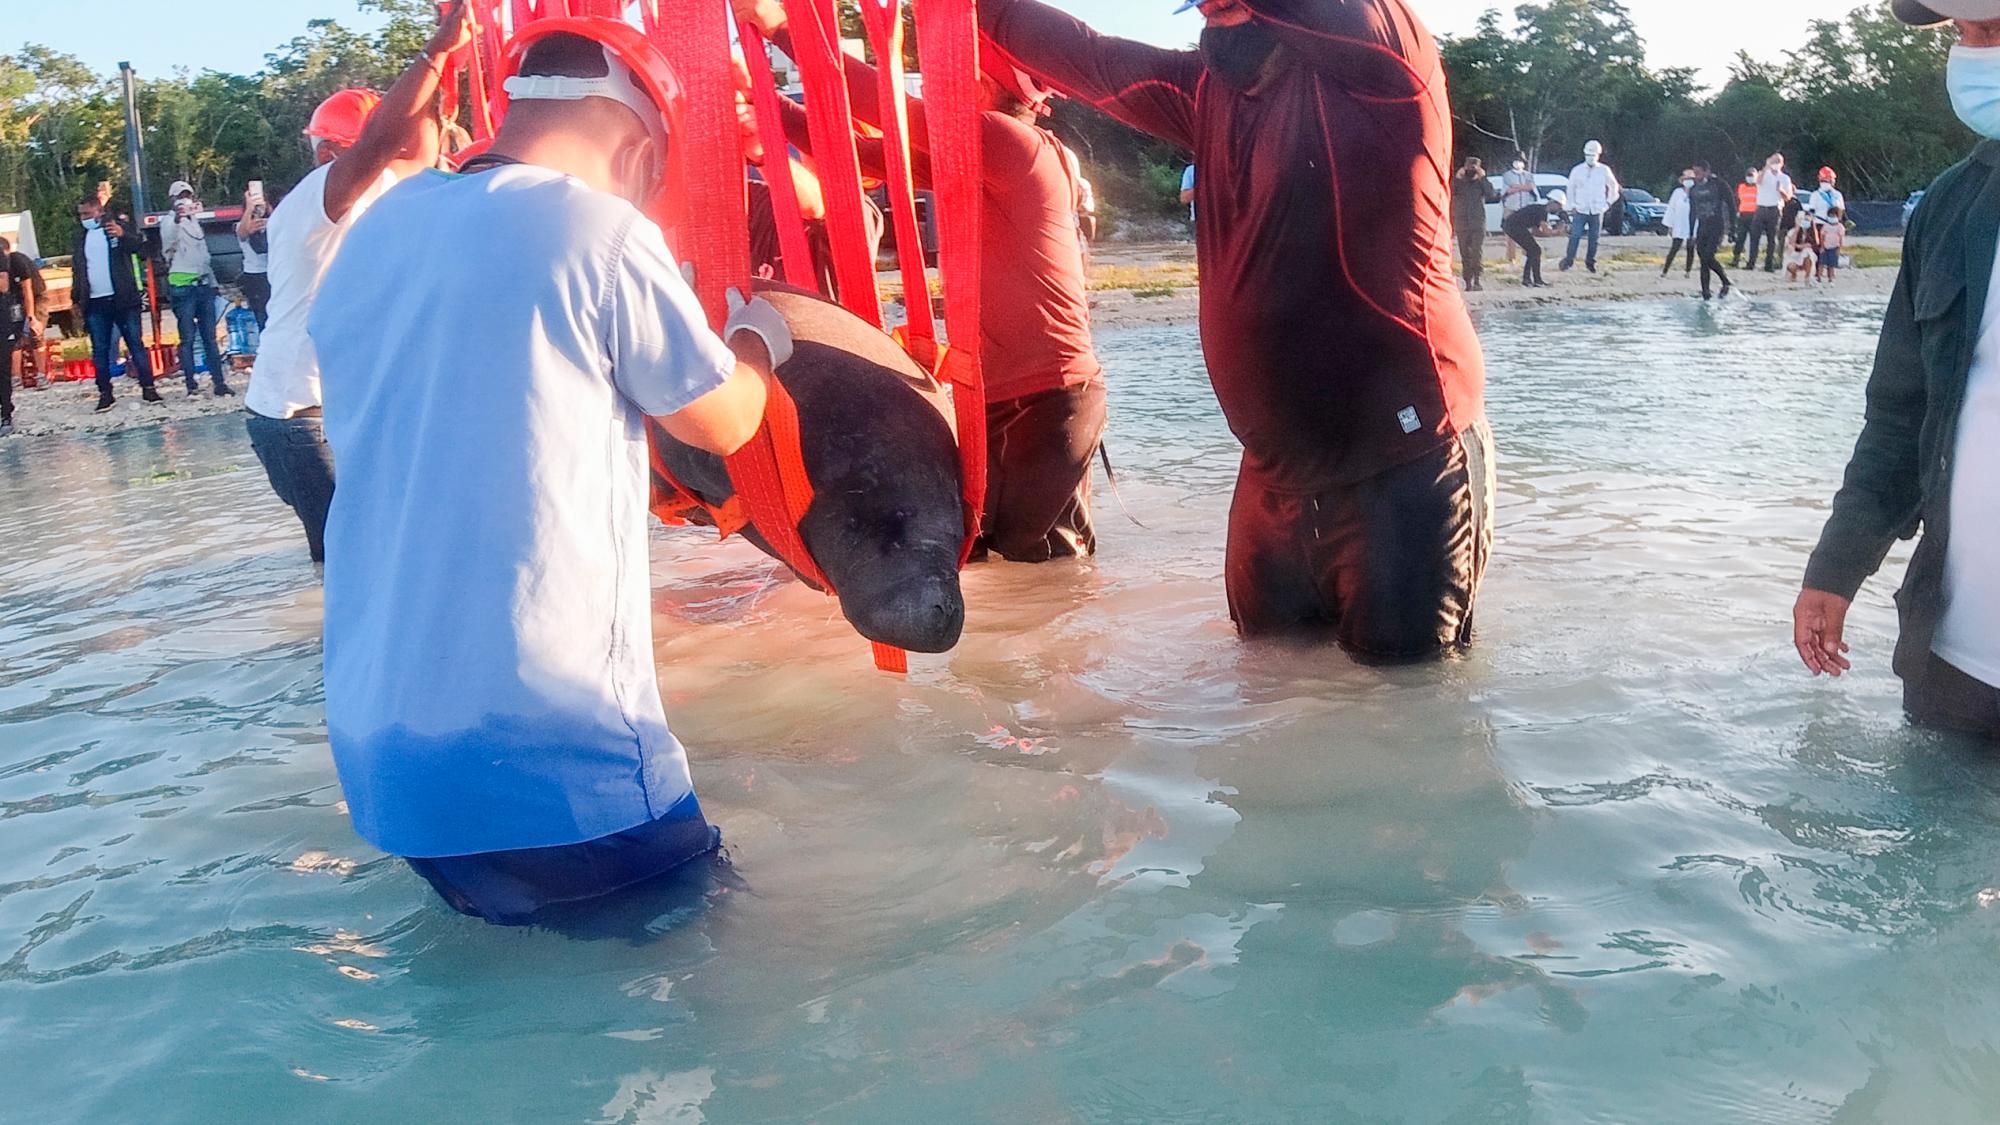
<point x="1832" y="237"/>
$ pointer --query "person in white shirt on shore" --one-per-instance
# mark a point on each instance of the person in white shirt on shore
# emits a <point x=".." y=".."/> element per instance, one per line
<point x="364" y="143"/>
<point x="1593" y="188"/>
<point x="1774" y="190"/>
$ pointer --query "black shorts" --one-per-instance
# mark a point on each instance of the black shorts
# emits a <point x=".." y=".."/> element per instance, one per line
<point x="509" y="888"/>
<point x="1391" y="564"/>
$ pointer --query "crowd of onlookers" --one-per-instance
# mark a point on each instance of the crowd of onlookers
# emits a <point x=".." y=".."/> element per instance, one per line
<point x="1806" y="231"/>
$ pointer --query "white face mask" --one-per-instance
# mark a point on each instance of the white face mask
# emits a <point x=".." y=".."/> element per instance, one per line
<point x="1689" y="182"/>
<point x="1590" y="160"/>
<point x="1972" y="77"/>
<point x="1520" y="166"/>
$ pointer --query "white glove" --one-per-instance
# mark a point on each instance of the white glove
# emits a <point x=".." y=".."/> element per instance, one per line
<point x="759" y="316"/>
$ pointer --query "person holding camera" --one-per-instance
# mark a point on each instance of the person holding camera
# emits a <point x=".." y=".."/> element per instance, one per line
<point x="255" y="239"/>
<point x="191" y="287"/>
<point x="104" y="282"/>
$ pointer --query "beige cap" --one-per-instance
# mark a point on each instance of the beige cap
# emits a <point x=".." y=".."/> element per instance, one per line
<point x="1938" y="11"/>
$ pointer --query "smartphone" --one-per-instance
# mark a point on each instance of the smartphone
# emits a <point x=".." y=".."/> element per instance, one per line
<point x="257" y="198"/>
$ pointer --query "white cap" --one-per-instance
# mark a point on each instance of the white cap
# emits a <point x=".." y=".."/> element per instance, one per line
<point x="618" y="85"/>
<point x="179" y="186"/>
<point x="1593" y="148"/>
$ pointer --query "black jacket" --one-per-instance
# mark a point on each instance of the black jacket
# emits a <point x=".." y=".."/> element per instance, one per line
<point x="124" y="282"/>
<point x="1711" y="201"/>
<point x="1899" y="478"/>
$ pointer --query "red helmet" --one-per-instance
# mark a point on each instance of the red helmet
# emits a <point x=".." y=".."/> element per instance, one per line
<point x="625" y="43"/>
<point x="341" y="117"/>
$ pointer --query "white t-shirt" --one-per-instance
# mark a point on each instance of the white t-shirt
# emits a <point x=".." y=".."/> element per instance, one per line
<point x="1823" y="202"/>
<point x="1772" y="188"/>
<point x="302" y="243"/>
<point x="97" y="262"/>
<point x="1968" y="636"/>
<point x="489" y="630"/>
<point x="1592" y="187"/>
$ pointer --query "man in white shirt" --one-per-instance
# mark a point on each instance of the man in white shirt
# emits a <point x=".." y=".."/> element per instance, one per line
<point x="1592" y="190"/>
<point x="1929" y="452"/>
<point x="1826" y="198"/>
<point x="1774" y="190"/>
<point x="104" y="283"/>
<point x="364" y="145"/>
<point x="490" y="691"/>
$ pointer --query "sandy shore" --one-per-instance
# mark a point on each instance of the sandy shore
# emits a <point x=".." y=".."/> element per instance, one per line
<point x="1132" y="285"/>
<point x="69" y="408"/>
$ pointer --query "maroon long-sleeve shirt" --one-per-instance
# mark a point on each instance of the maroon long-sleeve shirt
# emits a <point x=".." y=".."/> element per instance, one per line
<point x="1335" y="336"/>
<point x="1034" y="315"/>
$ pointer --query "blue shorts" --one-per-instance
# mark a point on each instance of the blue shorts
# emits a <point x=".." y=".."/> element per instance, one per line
<point x="508" y="888"/>
<point x="1830" y="259"/>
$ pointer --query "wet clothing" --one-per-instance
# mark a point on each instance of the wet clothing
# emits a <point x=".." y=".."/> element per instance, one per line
<point x="1521" y="226"/>
<point x="1391" y="564"/>
<point x="1948" y="699"/>
<point x="1034" y="312"/>
<point x="299" y="464"/>
<point x="1901" y="477"/>
<point x="510" y="888"/>
<point x="490" y="680"/>
<point x="1709" y="211"/>
<point x="1038" y="452"/>
<point x="1335" y="336"/>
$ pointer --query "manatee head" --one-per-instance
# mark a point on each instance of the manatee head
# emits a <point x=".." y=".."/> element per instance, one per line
<point x="886" y="522"/>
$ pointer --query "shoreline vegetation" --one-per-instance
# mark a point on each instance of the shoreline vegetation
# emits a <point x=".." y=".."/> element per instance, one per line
<point x="1131" y="285"/>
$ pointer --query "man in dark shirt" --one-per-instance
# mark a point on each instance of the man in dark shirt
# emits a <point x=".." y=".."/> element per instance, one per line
<point x="28" y="291"/>
<point x="1928" y="457"/>
<point x="1710" y="204"/>
<point x="1336" y="340"/>
<point x="1524" y="227"/>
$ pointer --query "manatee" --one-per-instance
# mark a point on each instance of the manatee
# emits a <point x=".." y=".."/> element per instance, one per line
<point x="886" y="521"/>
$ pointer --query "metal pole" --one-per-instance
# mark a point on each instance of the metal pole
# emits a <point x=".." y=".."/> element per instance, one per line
<point x="134" y="146"/>
<point x="135" y="150"/>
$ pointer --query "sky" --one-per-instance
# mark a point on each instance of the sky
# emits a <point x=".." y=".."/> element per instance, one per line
<point x="1704" y="34"/>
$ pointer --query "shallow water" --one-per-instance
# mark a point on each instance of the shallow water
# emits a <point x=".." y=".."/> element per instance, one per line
<point x="1625" y="862"/>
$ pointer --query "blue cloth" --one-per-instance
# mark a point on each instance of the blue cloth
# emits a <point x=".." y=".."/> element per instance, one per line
<point x="108" y="324"/>
<point x="299" y="464"/>
<point x="510" y="887"/>
<point x="1579" y="225"/>
<point x="194" y="316"/>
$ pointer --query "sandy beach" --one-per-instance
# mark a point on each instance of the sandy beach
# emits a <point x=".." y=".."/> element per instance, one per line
<point x="1132" y="284"/>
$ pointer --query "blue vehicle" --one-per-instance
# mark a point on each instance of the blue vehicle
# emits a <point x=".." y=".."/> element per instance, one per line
<point x="1910" y="207"/>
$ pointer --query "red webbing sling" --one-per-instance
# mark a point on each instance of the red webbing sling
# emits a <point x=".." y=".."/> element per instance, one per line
<point x="884" y="22"/>
<point x="793" y="248"/>
<point x="769" y="472"/>
<point x="948" y="36"/>
<point x="829" y="115"/>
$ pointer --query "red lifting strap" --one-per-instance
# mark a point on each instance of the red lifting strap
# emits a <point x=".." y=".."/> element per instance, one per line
<point x="884" y="22"/>
<point x="948" y="34"/>
<point x="829" y="118"/>
<point x="793" y="248"/>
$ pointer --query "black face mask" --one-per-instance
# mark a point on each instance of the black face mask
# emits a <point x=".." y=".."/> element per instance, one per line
<point x="1237" y="55"/>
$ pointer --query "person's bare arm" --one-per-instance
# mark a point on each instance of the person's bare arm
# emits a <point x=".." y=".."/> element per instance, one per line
<point x="726" y="418"/>
<point x="394" y="125"/>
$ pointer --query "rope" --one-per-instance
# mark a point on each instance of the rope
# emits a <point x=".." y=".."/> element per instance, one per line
<point x="793" y="248"/>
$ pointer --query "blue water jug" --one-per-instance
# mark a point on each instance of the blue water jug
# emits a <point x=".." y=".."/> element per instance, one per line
<point x="243" y="335"/>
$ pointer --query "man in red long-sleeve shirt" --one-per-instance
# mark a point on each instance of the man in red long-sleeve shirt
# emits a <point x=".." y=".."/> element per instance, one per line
<point x="1336" y="340"/>
<point x="1044" y="389"/>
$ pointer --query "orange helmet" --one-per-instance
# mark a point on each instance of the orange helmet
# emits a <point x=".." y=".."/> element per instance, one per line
<point x="625" y="44"/>
<point x="341" y="117"/>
